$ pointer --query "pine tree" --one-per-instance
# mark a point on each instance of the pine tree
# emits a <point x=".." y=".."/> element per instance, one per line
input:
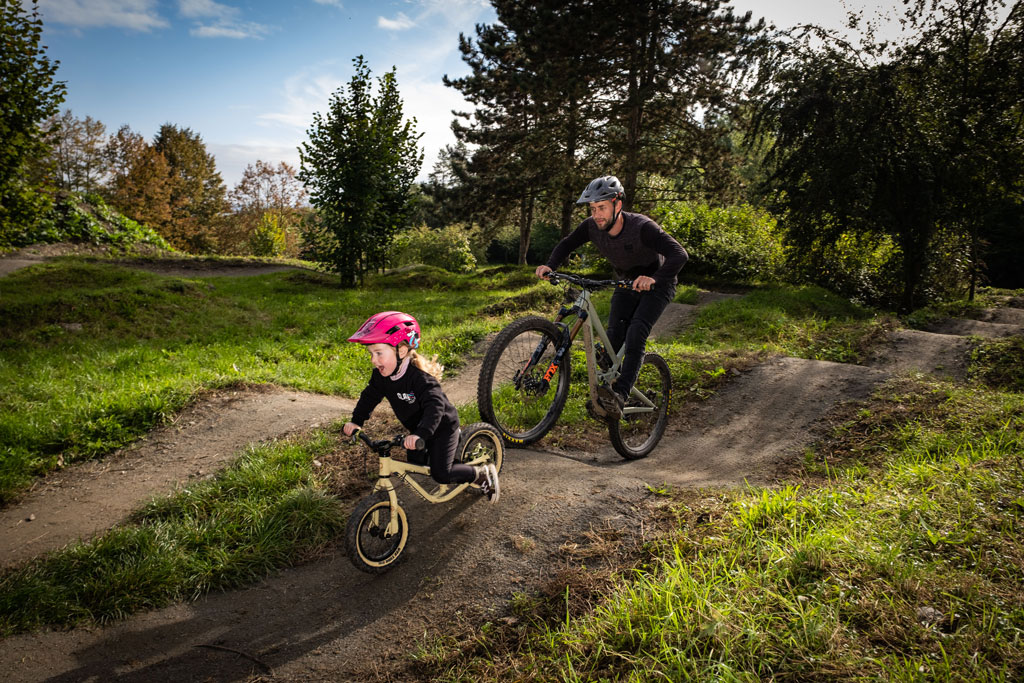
<point x="196" y="188"/>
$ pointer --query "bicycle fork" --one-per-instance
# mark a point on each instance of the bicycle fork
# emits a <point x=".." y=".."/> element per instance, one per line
<point x="564" y="343"/>
<point x="393" y="522"/>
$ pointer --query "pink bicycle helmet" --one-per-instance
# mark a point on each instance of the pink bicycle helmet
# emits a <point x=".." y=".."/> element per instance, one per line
<point x="389" y="327"/>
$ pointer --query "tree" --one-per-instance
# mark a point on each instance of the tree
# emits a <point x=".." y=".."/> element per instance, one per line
<point x="976" y="83"/>
<point x="903" y="143"/>
<point x="267" y="199"/>
<point x="531" y="83"/>
<point x="264" y="187"/>
<point x="196" y="188"/>
<point x="77" y="151"/>
<point x="672" y="65"/>
<point x="567" y="90"/>
<point x="30" y="95"/>
<point x="358" y="166"/>
<point x="139" y="180"/>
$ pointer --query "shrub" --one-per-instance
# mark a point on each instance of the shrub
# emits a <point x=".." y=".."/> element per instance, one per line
<point x="447" y="248"/>
<point x="268" y="237"/>
<point x="735" y="242"/>
<point x="87" y="220"/>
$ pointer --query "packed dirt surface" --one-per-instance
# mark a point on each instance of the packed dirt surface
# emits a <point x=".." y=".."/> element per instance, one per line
<point x="326" y="621"/>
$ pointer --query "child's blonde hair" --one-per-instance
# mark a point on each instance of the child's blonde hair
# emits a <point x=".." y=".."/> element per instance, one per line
<point x="427" y="365"/>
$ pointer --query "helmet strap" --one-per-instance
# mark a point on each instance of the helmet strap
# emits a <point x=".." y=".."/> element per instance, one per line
<point x="615" y="215"/>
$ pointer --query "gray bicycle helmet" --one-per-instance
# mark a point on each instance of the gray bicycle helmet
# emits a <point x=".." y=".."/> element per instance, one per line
<point x="601" y="189"/>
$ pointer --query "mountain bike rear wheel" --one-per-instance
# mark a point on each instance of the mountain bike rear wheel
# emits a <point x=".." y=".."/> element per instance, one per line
<point x="636" y="434"/>
<point x="370" y="547"/>
<point x="523" y="399"/>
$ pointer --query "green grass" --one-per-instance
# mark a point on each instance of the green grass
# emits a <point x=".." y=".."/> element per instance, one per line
<point x="265" y="512"/>
<point x="806" y="322"/>
<point x="93" y="356"/>
<point x="897" y="558"/>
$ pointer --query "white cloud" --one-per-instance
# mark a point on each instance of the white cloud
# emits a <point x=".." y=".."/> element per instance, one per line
<point x="195" y="9"/>
<point x="303" y="93"/>
<point x="136" y="15"/>
<point x="399" y="23"/>
<point x="335" y="3"/>
<point x="233" y="159"/>
<point x="225" y="24"/>
<point x="230" y="30"/>
<point x="431" y="104"/>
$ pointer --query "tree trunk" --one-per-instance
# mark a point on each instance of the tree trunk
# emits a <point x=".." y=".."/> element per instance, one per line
<point x="525" y="227"/>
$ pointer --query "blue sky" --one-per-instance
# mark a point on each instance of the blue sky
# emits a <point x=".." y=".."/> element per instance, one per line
<point x="247" y="75"/>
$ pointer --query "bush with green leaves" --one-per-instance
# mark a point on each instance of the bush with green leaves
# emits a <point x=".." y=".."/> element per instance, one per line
<point x="447" y="248"/>
<point x="737" y="242"/>
<point x="87" y="220"/>
<point x="268" y="238"/>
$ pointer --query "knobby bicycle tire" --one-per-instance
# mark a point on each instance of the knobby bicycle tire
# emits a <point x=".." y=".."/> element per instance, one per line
<point x="367" y="546"/>
<point x="481" y="438"/>
<point x="523" y="406"/>
<point x="635" y="435"/>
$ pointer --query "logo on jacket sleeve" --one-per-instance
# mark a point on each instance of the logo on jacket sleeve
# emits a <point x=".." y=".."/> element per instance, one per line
<point x="408" y="398"/>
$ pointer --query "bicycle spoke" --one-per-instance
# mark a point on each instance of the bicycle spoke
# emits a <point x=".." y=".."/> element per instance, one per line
<point x="520" y="393"/>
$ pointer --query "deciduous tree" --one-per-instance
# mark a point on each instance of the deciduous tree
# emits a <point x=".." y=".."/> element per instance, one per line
<point x="77" y="151"/>
<point x="30" y="95"/>
<point x="139" y="180"/>
<point x="358" y="166"/>
<point x="910" y="142"/>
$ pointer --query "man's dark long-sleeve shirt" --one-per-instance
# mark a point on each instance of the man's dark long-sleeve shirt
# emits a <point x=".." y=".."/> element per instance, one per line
<point x="416" y="397"/>
<point x="641" y="248"/>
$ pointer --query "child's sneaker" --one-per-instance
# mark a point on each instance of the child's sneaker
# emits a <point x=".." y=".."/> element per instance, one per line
<point x="487" y="481"/>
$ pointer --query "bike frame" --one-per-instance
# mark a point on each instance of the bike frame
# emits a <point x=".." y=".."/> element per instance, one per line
<point x="588" y="320"/>
<point x="390" y="468"/>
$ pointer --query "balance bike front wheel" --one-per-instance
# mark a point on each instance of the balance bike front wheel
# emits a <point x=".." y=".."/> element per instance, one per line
<point x="370" y="546"/>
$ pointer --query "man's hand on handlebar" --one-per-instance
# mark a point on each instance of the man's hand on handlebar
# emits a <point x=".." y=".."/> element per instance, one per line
<point x="413" y="443"/>
<point x="643" y="283"/>
<point x="350" y="428"/>
<point x="542" y="272"/>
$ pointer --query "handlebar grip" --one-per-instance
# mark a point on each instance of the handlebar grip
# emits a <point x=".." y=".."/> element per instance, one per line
<point x="420" y="443"/>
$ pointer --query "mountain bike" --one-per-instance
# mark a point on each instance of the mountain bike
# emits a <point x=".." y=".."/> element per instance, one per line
<point x="526" y="373"/>
<point x="378" y="528"/>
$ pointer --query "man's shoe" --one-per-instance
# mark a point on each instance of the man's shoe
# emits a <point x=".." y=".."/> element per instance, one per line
<point x="611" y="401"/>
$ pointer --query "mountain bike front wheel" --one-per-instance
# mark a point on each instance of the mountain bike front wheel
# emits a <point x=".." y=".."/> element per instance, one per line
<point x="371" y="547"/>
<point x="641" y="427"/>
<point x="520" y="392"/>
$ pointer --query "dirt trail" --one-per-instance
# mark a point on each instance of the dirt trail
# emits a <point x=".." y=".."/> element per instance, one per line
<point x="328" y="622"/>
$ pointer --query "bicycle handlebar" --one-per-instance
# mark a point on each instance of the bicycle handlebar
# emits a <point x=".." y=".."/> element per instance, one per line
<point x="554" y="276"/>
<point x="383" y="447"/>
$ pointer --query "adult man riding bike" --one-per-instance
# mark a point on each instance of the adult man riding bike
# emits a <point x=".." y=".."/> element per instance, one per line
<point x="638" y="249"/>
